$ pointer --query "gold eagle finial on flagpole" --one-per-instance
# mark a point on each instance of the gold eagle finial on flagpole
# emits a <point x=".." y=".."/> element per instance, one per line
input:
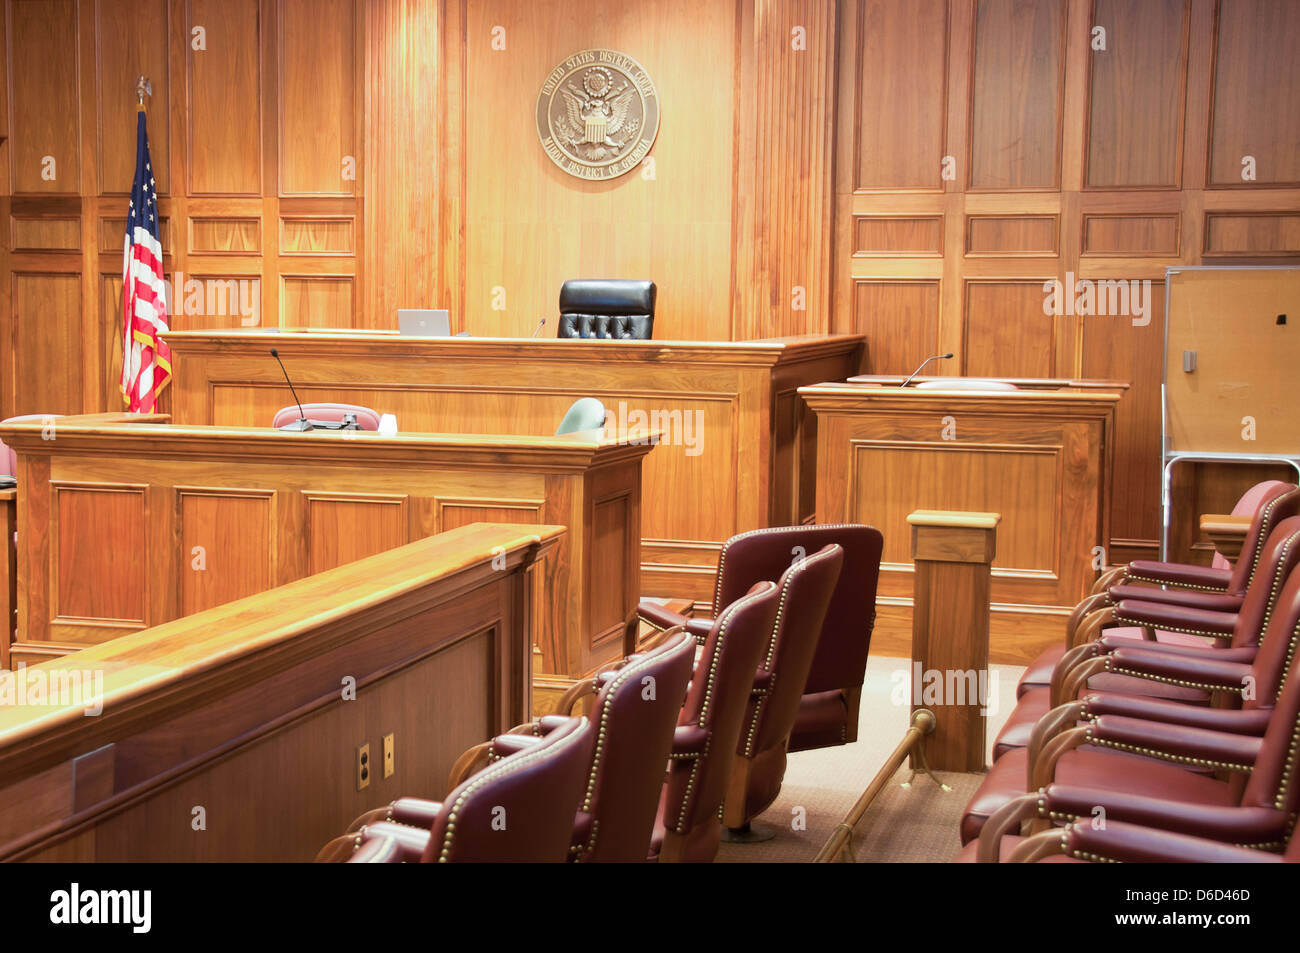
<point x="143" y="88"/>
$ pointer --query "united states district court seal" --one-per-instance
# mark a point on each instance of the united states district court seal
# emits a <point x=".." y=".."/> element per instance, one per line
<point x="598" y="114"/>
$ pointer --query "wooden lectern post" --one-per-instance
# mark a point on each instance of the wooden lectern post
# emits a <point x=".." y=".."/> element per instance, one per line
<point x="953" y="553"/>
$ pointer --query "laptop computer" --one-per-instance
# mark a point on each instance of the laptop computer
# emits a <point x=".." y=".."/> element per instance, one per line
<point x="421" y="323"/>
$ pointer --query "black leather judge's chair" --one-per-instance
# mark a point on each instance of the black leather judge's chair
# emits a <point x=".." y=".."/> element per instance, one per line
<point x="607" y="308"/>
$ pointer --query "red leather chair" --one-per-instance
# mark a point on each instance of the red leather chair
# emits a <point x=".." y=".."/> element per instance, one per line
<point x="828" y="710"/>
<point x="759" y="766"/>
<point x="1117" y="842"/>
<point x="1162" y="750"/>
<point x="688" y="826"/>
<point x="367" y="419"/>
<point x="519" y="809"/>
<point x="616" y="818"/>
<point x="1084" y="666"/>
<point x="635" y="713"/>
<point x="1215" y="588"/>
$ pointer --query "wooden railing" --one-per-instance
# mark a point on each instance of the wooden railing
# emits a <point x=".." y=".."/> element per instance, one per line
<point x="235" y="733"/>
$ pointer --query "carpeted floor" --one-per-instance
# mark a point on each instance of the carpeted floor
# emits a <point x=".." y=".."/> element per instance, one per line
<point x="914" y="824"/>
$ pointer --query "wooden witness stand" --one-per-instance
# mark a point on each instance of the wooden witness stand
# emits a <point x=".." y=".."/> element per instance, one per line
<point x="133" y="502"/>
<point x="1042" y="458"/>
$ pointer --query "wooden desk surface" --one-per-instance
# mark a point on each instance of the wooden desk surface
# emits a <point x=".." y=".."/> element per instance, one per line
<point x="846" y="395"/>
<point x="569" y="451"/>
<point x="1024" y="383"/>
<point x="764" y="351"/>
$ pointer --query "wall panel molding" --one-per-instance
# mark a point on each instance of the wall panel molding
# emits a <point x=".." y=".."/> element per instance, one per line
<point x="1114" y="148"/>
<point x="794" y="104"/>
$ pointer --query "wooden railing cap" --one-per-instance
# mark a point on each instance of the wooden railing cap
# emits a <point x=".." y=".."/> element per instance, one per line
<point x="954" y="518"/>
<point x="150" y="675"/>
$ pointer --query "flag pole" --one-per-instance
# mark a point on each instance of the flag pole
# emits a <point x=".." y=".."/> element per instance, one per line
<point x="142" y="88"/>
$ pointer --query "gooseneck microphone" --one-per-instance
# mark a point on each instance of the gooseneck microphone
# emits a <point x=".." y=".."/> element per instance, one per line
<point x="539" y="327"/>
<point x="937" y="357"/>
<point x="301" y="424"/>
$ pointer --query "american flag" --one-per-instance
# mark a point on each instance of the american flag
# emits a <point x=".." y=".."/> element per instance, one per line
<point x="146" y="359"/>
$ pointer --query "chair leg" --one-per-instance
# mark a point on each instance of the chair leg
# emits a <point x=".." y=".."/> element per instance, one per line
<point x="631" y="629"/>
<point x="751" y="833"/>
<point x="673" y="848"/>
<point x="852" y="701"/>
<point x="737" y="826"/>
<point x="733" y="808"/>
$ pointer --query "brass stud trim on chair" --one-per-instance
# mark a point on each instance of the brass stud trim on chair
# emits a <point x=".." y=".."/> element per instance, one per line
<point x="1169" y="582"/>
<point x="1093" y="858"/>
<point x="1127" y="620"/>
<point x="1166" y="755"/>
<point x="766" y="531"/>
<point x="1265" y="527"/>
<point x="1178" y="682"/>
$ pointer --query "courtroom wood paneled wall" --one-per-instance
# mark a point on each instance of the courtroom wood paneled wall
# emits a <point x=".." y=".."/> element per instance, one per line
<point x="986" y="146"/>
<point x="323" y="150"/>
<point x="256" y="132"/>
<point x="353" y="156"/>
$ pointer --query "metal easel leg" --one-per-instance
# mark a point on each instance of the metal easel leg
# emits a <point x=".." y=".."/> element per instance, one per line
<point x="919" y="763"/>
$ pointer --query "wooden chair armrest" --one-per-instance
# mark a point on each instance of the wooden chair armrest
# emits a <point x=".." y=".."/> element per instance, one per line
<point x="1108" y="578"/>
<point x="661" y="638"/>
<point x="631" y="629"/>
<point x="1072" y="657"/>
<point x="339" y="849"/>
<point x="1085" y="608"/>
<point x="1042" y="771"/>
<point x="1077" y="678"/>
<point x="1005" y="820"/>
<point x="370" y="817"/>
<point x="1089" y="629"/>
<point x="1059" y="719"/>
<point x="574" y="694"/>
<point x="470" y="763"/>
<point x="1037" y="846"/>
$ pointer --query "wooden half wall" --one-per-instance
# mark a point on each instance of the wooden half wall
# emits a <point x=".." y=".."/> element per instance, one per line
<point x="233" y="734"/>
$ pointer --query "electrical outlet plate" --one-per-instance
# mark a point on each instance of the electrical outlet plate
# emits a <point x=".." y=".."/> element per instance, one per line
<point x="363" y="767"/>
<point x="390" y="752"/>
